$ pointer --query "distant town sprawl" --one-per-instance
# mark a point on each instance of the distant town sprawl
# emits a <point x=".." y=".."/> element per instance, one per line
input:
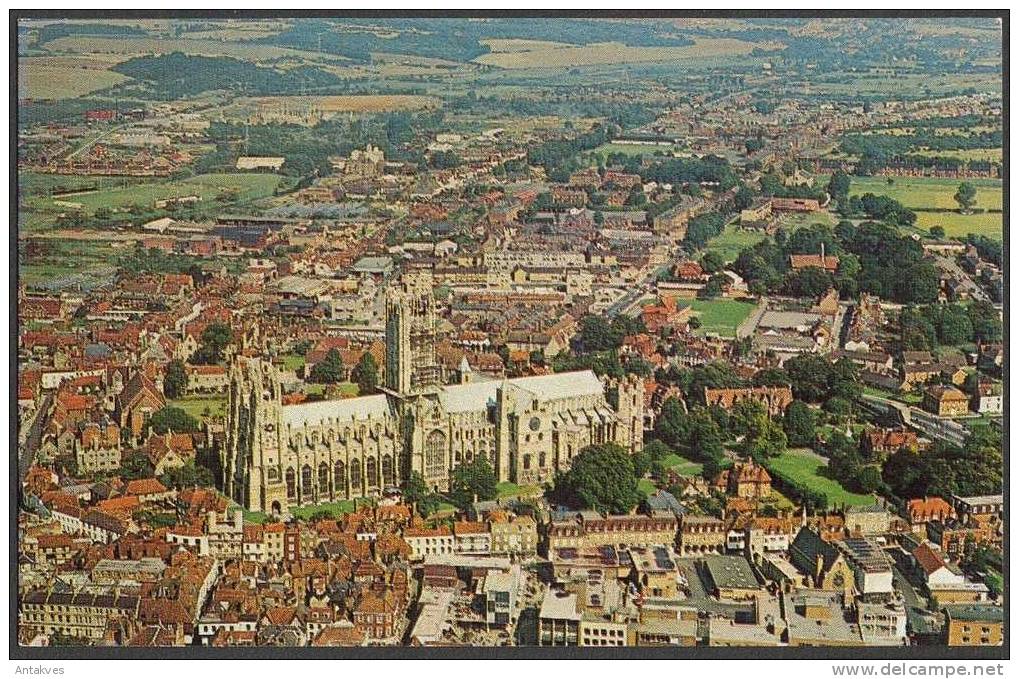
<point x="510" y="332"/>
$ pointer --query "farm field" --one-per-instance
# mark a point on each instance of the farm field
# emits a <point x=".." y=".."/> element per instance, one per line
<point x="93" y="45"/>
<point x="201" y="407"/>
<point x="732" y="241"/>
<point x="345" y="103"/>
<point x="64" y="78"/>
<point x="617" y="53"/>
<point x="721" y="316"/>
<point x="928" y="192"/>
<point x="923" y="194"/>
<point x="804" y="467"/>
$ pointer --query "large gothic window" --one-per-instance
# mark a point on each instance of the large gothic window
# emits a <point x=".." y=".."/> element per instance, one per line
<point x="355" y="475"/>
<point x="306" y="484"/>
<point x="435" y="454"/>
<point x="388" y="478"/>
<point x="372" y="468"/>
<point x="340" y="478"/>
<point x="323" y="478"/>
<point x="291" y="485"/>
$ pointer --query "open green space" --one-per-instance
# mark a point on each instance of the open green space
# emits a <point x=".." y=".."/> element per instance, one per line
<point x="647" y="487"/>
<point x="801" y="466"/>
<point x="293" y="362"/>
<point x="721" y="316"/>
<point x="201" y="406"/>
<point x="218" y="192"/>
<point x="681" y="465"/>
<point x="610" y="148"/>
<point x="734" y="240"/>
<point x="508" y="489"/>
<point x="924" y="194"/>
<point x="46" y="261"/>
<point x="928" y="192"/>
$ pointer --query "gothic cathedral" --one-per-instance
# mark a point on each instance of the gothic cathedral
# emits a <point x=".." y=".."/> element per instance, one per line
<point x="280" y="456"/>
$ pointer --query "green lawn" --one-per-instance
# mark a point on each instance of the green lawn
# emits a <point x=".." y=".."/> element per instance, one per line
<point x="802" y="467"/>
<point x="721" y="316"/>
<point x="647" y="487"/>
<point x="293" y="362"/>
<point x="733" y="240"/>
<point x="632" y="149"/>
<point x="336" y="509"/>
<point x="682" y="466"/>
<point x="912" y="398"/>
<point x="196" y="406"/>
<point x="792" y="221"/>
<point x="509" y="489"/>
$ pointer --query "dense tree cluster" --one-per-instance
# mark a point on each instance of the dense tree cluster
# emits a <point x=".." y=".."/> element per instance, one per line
<point x="944" y="469"/>
<point x="602" y="477"/>
<point x="172" y="419"/>
<point x="470" y="481"/>
<point x="177" y="75"/>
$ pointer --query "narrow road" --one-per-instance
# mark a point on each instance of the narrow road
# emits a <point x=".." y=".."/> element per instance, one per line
<point x="26" y="455"/>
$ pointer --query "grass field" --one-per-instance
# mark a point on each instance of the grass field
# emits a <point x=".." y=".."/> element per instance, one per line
<point x="921" y="194"/>
<point x="928" y="192"/>
<point x="234" y="188"/>
<point x="197" y="406"/>
<point x="732" y="241"/>
<point x="616" y="53"/>
<point x="804" y="467"/>
<point x="508" y="489"/>
<point x="794" y="220"/>
<point x="66" y="258"/>
<point x="646" y="487"/>
<point x="293" y="362"/>
<point x="682" y="466"/>
<point x="605" y="150"/>
<point x="720" y="316"/>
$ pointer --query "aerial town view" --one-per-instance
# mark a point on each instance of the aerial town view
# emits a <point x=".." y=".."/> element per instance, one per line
<point x="509" y="332"/>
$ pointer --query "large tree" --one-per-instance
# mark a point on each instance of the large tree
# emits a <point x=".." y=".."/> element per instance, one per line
<point x="966" y="196"/>
<point x="799" y="424"/>
<point x="366" y="374"/>
<point x="602" y="477"/>
<point x="191" y="475"/>
<point x="214" y="341"/>
<point x="173" y="419"/>
<point x="472" y="480"/>
<point x="175" y="381"/>
<point x="417" y="493"/>
<point x="329" y="370"/>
